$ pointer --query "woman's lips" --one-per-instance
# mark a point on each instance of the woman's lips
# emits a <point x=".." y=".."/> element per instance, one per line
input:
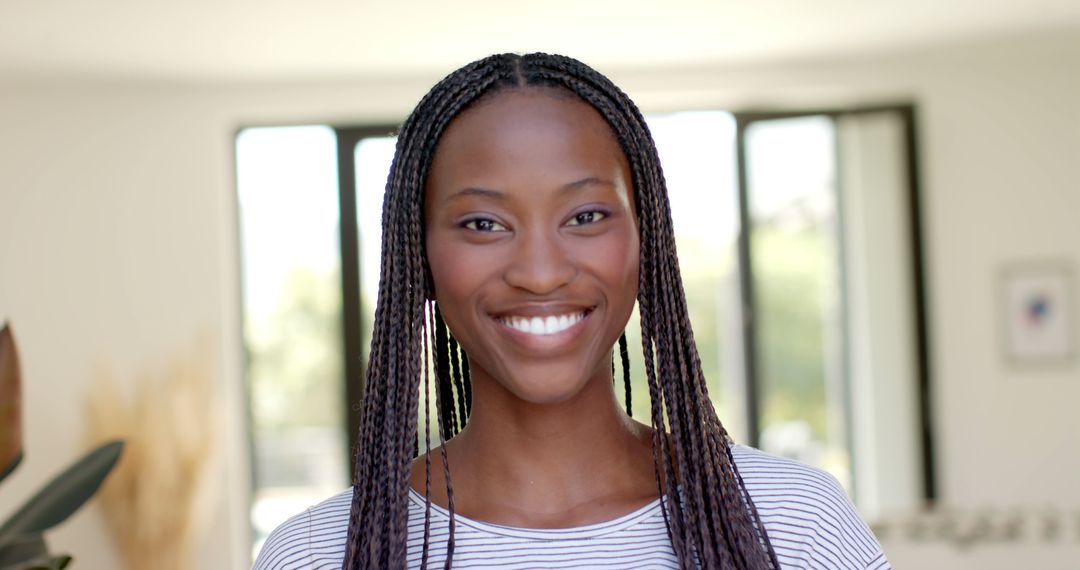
<point x="543" y="325"/>
<point x="544" y="329"/>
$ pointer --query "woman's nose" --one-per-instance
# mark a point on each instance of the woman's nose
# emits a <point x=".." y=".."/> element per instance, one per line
<point x="540" y="264"/>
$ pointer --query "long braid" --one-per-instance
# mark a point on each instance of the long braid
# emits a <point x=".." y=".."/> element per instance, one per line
<point x="444" y="384"/>
<point x="710" y="517"/>
<point x="444" y="403"/>
<point x="427" y="461"/>
<point x="464" y="399"/>
<point x="682" y="401"/>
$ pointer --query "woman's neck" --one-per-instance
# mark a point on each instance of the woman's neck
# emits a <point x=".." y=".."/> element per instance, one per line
<point x="546" y="465"/>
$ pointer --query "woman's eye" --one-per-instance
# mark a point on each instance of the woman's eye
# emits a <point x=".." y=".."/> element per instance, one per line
<point x="589" y="217"/>
<point x="483" y="225"/>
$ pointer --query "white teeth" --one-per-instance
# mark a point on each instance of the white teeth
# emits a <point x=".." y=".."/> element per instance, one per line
<point x="551" y="325"/>
<point x="543" y="325"/>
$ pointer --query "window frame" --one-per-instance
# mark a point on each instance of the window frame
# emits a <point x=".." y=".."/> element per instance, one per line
<point x="908" y="115"/>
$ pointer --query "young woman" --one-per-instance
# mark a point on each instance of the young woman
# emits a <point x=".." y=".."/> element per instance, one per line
<point x="524" y="216"/>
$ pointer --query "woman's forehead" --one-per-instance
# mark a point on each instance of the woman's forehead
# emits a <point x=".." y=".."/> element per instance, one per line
<point x="524" y="138"/>
<point x="524" y="104"/>
<point x="524" y="126"/>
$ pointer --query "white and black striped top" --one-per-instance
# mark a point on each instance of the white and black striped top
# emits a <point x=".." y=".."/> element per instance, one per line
<point x="807" y="515"/>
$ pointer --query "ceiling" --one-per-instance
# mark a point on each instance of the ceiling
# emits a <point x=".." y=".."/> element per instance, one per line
<point x="290" y="39"/>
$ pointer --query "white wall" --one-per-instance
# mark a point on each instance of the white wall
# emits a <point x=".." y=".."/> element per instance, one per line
<point x="116" y="251"/>
<point x="118" y="245"/>
<point x="118" y="248"/>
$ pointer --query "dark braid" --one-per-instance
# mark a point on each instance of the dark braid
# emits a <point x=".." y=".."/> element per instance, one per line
<point x="448" y="421"/>
<point x="624" y="358"/>
<point x="427" y="464"/>
<point x="710" y="517"/>
<point x="462" y="385"/>
<point x="442" y="402"/>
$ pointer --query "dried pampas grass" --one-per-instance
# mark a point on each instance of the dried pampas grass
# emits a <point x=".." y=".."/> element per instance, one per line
<point x="155" y="501"/>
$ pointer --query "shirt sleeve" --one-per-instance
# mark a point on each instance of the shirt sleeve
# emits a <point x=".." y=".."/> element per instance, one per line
<point x="288" y="546"/>
<point x="808" y="516"/>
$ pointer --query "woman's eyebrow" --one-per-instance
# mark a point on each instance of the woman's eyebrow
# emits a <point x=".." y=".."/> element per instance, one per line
<point x="496" y="195"/>
<point x="585" y="182"/>
<point x="473" y="191"/>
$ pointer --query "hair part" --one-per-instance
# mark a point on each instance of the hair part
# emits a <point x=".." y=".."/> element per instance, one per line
<point x="710" y="517"/>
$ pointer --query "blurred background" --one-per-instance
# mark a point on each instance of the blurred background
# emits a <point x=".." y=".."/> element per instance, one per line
<point x="877" y="214"/>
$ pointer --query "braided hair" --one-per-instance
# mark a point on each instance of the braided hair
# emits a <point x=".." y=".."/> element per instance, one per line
<point x="710" y="517"/>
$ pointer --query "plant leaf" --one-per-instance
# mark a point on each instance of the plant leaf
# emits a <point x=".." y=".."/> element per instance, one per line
<point x="10" y="404"/>
<point x="17" y="550"/>
<point x="43" y="563"/>
<point x="62" y="496"/>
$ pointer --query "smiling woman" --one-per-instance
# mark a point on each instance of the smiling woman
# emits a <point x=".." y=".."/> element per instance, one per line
<point x="525" y="213"/>
<point x="532" y="244"/>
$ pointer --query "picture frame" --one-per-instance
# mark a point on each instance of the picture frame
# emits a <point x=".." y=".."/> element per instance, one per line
<point x="1038" y="309"/>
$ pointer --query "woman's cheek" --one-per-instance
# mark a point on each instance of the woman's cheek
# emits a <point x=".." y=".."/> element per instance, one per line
<point x="616" y="256"/>
<point x="459" y="270"/>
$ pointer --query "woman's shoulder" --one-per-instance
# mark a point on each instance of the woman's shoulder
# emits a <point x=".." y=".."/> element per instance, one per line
<point x="314" y="538"/>
<point x="772" y="472"/>
<point x="806" y="512"/>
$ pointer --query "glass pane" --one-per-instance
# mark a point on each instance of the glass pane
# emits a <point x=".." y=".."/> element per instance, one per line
<point x="697" y="150"/>
<point x="795" y="258"/>
<point x="287" y="184"/>
<point x="372" y="158"/>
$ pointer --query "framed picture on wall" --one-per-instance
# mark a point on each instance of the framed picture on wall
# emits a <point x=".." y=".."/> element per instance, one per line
<point x="1039" y="312"/>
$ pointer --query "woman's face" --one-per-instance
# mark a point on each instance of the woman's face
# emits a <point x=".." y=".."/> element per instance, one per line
<point x="532" y="242"/>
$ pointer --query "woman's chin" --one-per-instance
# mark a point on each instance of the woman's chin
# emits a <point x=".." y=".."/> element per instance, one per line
<point x="545" y="396"/>
<point x="547" y="382"/>
<point x="544" y="391"/>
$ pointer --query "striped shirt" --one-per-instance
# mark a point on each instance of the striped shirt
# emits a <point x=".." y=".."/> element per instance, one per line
<point x="807" y="515"/>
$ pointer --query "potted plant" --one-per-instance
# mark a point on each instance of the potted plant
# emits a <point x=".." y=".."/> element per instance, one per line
<point x="22" y="541"/>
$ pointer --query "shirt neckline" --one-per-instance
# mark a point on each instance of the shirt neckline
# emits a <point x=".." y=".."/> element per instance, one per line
<point x="577" y="532"/>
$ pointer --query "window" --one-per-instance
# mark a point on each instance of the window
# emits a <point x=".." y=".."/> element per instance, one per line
<point x="798" y="242"/>
<point x="836" y="346"/>
<point x="288" y="195"/>
<point x="795" y="269"/>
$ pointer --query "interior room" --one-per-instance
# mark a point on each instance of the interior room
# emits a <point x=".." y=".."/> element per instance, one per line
<point x="901" y="179"/>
